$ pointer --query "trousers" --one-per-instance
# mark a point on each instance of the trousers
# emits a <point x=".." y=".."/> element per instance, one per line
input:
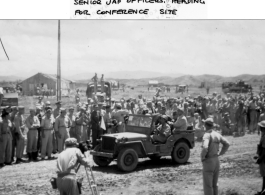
<point x="210" y="173"/>
<point x="32" y="141"/>
<point x="67" y="185"/>
<point x="253" y="120"/>
<point x="6" y="148"/>
<point x="46" y="142"/>
<point x="64" y="135"/>
<point x="20" y="146"/>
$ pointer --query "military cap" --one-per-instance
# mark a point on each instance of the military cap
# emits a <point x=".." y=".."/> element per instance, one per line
<point x="21" y="107"/>
<point x="38" y="108"/>
<point x="70" y="142"/>
<point x="48" y="103"/>
<point x="71" y="108"/>
<point x="59" y="102"/>
<point x="181" y="109"/>
<point x="118" y="106"/>
<point x="164" y="117"/>
<point x="31" y="109"/>
<point x="14" y="107"/>
<point x="83" y="108"/>
<point x="48" y="110"/>
<point x="209" y="121"/>
<point x="62" y="109"/>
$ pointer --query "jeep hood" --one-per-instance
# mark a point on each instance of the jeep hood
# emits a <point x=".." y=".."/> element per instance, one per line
<point x="129" y="135"/>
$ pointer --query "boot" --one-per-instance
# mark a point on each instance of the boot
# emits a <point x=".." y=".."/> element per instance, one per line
<point x="35" y="156"/>
<point x="30" y="156"/>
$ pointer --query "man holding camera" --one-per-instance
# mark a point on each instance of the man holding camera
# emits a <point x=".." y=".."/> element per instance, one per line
<point x="67" y="166"/>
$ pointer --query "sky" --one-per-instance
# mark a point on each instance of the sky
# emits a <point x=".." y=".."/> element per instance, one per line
<point x="219" y="47"/>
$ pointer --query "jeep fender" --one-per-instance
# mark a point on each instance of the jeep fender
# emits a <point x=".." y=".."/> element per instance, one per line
<point x="137" y="146"/>
<point x="184" y="140"/>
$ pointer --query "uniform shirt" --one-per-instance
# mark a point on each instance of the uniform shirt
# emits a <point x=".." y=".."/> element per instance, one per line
<point x="72" y="120"/>
<point x="62" y="122"/>
<point x="32" y="122"/>
<point x="79" y="119"/>
<point x="252" y="105"/>
<point x="119" y="115"/>
<point x="56" y="113"/>
<point x="211" y="108"/>
<point x="107" y="117"/>
<point x="19" y="124"/>
<point x="181" y="123"/>
<point x="5" y="127"/>
<point x="47" y="123"/>
<point x="211" y="148"/>
<point x="164" y="130"/>
<point x="68" y="161"/>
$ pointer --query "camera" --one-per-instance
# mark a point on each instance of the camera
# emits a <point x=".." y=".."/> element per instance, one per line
<point x="84" y="146"/>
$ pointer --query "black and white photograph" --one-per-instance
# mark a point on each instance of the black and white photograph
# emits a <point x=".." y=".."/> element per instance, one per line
<point x="132" y="107"/>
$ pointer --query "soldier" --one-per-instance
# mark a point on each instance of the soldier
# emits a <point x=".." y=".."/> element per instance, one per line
<point x="181" y="124"/>
<point x="5" y="139"/>
<point x="119" y="116"/>
<point x="32" y="122"/>
<point x="95" y="80"/>
<point x="108" y="120"/>
<point x="102" y="84"/>
<point x="20" y="130"/>
<point x="39" y="116"/>
<point x="95" y="125"/>
<point x="13" y="130"/>
<point x="226" y="125"/>
<point x="67" y="164"/>
<point x="40" y="103"/>
<point x="162" y="132"/>
<point x="56" y="113"/>
<point x="61" y="127"/>
<point x="47" y="124"/>
<point x="72" y="119"/>
<point x="253" y="115"/>
<point x="240" y="119"/>
<point x="209" y="157"/>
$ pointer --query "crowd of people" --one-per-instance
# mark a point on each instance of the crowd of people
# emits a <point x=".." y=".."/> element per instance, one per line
<point x="46" y="128"/>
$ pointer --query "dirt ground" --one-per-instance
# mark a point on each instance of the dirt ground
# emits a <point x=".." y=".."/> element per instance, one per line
<point x="239" y="175"/>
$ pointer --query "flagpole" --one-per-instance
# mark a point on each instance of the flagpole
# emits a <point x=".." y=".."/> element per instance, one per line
<point x="59" y="65"/>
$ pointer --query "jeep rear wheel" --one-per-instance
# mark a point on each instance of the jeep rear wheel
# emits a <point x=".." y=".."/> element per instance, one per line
<point x="181" y="153"/>
<point x="127" y="159"/>
<point x="99" y="160"/>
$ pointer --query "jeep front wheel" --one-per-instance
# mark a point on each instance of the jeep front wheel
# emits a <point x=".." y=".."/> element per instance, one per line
<point x="99" y="160"/>
<point x="127" y="159"/>
<point x="181" y="153"/>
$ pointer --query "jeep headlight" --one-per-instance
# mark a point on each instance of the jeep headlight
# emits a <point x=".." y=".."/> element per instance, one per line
<point x="117" y="140"/>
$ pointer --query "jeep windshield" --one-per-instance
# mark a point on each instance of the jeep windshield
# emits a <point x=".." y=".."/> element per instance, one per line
<point x="140" y="121"/>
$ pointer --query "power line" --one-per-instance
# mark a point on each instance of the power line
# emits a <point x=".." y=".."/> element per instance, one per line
<point x="4" y="48"/>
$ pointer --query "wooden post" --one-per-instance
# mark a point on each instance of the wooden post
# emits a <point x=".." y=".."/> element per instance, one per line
<point x="59" y="65"/>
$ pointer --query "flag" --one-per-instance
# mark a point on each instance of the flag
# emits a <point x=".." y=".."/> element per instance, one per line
<point x="102" y="124"/>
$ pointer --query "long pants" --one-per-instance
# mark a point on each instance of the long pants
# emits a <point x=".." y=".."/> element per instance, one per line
<point x="241" y="125"/>
<point x="46" y="142"/>
<point x="96" y="133"/>
<point x="6" y="148"/>
<point x="64" y="135"/>
<point x="14" y="145"/>
<point x="84" y="135"/>
<point x="20" y="146"/>
<point x="39" y="141"/>
<point x="67" y="185"/>
<point x="72" y="132"/>
<point x="210" y="173"/>
<point x="253" y="120"/>
<point x="32" y="141"/>
<point x="79" y="132"/>
<point x="88" y="132"/>
<point x="54" y="142"/>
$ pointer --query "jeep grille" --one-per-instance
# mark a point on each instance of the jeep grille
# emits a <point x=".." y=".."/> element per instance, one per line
<point x="108" y="143"/>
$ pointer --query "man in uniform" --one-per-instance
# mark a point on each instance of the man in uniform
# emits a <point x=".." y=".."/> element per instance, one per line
<point x="240" y="119"/>
<point x="56" y="113"/>
<point x="32" y="123"/>
<point x="5" y="139"/>
<point x="226" y="125"/>
<point x="40" y="103"/>
<point x="61" y="127"/>
<point x="13" y="130"/>
<point x="20" y="130"/>
<point x="95" y="125"/>
<point x="209" y="157"/>
<point x="119" y="116"/>
<point x="72" y="119"/>
<point x="181" y="124"/>
<point x="79" y="120"/>
<point x="47" y="124"/>
<point x="39" y="116"/>
<point x="67" y="166"/>
<point x="163" y="131"/>
<point x="107" y="119"/>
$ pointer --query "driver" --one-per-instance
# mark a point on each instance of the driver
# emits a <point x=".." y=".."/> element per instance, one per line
<point x="163" y="131"/>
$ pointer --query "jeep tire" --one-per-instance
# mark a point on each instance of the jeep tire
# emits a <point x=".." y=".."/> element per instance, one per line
<point x="99" y="160"/>
<point x="127" y="159"/>
<point x="180" y="153"/>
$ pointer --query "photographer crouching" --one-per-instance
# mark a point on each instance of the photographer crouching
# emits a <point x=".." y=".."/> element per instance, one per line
<point x="67" y="166"/>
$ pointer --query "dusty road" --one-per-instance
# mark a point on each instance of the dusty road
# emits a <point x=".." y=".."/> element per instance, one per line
<point x="239" y="175"/>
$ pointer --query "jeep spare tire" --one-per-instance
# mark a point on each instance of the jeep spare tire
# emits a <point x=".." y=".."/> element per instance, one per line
<point x="127" y="159"/>
<point x="181" y="153"/>
<point x="99" y="160"/>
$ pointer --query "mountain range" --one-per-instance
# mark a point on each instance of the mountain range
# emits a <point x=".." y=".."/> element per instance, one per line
<point x="134" y="78"/>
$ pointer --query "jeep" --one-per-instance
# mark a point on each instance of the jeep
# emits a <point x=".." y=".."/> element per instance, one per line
<point x="127" y="147"/>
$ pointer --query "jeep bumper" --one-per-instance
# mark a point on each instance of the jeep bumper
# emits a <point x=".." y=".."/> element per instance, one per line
<point x="103" y="154"/>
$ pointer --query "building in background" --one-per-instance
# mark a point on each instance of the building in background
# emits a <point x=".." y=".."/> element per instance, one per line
<point x="41" y="83"/>
<point x="153" y="83"/>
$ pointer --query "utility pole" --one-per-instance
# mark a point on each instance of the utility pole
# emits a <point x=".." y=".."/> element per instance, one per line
<point x="59" y="65"/>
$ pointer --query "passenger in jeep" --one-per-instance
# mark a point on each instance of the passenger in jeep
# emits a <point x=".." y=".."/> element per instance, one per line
<point x="162" y="132"/>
